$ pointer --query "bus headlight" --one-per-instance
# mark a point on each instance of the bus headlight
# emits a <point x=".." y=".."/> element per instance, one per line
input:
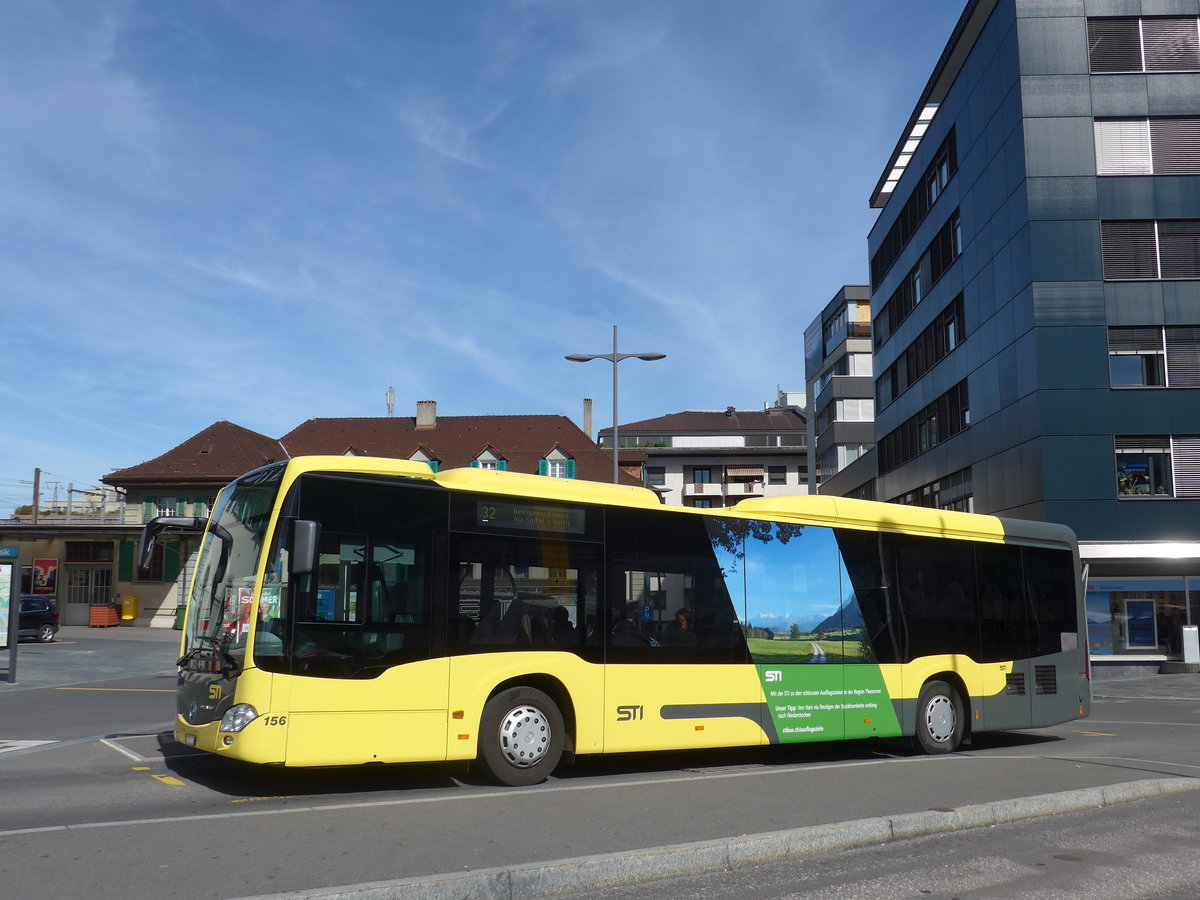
<point x="238" y="717"/>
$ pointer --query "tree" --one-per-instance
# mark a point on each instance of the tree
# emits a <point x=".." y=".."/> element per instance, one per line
<point x="794" y="632"/>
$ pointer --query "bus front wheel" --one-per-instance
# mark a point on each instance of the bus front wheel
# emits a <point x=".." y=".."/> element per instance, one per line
<point x="939" y="718"/>
<point x="520" y="736"/>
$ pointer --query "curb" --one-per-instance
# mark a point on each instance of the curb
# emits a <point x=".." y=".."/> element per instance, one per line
<point x="586" y="873"/>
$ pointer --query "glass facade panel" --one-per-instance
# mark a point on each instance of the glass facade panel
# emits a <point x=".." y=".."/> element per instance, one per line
<point x="1136" y="616"/>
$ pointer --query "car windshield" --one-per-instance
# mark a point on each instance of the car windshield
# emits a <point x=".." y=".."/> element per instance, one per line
<point x="222" y="594"/>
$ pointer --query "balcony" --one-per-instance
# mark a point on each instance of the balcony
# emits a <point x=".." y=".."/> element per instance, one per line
<point x="733" y="491"/>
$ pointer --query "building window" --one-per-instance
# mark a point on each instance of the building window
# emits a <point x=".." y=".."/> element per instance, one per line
<point x="1142" y="249"/>
<point x="945" y="417"/>
<point x="1143" y="466"/>
<point x="946" y="247"/>
<point x="852" y="409"/>
<point x="166" y="506"/>
<point x="931" y="347"/>
<point x="89" y="551"/>
<point x="1136" y="357"/>
<point x="1159" y="44"/>
<point x="1156" y="146"/>
<point x="953" y="492"/>
<point x="656" y="475"/>
<point x="933" y="183"/>
<point x="701" y="476"/>
<point x="704" y="503"/>
<point x="776" y="474"/>
<point x="1158" y="466"/>
<point x="556" y="468"/>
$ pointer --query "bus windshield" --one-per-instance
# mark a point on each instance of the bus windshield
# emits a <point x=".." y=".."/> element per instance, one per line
<point x="221" y="601"/>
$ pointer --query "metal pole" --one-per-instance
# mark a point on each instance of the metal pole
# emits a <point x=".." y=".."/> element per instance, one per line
<point x="616" y="443"/>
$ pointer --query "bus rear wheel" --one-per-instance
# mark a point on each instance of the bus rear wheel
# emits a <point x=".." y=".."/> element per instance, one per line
<point x="520" y="737"/>
<point x="940" y="720"/>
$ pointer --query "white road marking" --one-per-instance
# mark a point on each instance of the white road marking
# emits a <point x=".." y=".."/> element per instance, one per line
<point x="7" y="746"/>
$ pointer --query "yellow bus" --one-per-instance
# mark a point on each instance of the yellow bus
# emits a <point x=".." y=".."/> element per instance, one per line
<point x="351" y="610"/>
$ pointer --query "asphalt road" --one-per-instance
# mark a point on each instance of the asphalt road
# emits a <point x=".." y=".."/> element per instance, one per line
<point x="109" y="806"/>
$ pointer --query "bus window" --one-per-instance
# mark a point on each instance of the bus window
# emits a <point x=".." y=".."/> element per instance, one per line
<point x="668" y="601"/>
<point x="936" y="588"/>
<point x="866" y="560"/>
<point x="368" y="604"/>
<point x="1002" y="618"/>
<point x="1050" y="585"/>
<point x="511" y="592"/>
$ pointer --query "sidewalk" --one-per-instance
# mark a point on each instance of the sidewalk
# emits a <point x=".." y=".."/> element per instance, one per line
<point x="1151" y="687"/>
<point x="83" y="655"/>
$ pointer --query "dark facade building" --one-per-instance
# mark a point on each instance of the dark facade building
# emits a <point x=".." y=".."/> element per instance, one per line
<point x="1035" y="276"/>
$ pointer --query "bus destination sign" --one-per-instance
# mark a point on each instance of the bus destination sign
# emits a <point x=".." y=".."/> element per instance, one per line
<point x="530" y="517"/>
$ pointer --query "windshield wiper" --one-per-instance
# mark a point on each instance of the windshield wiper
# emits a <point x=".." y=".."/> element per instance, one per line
<point x="229" y="665"/>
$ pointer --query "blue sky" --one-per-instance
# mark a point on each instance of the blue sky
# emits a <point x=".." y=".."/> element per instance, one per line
<point x="267" y="212"/>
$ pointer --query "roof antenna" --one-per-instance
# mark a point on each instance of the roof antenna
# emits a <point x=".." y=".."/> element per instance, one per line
<point x="390" y="396"/>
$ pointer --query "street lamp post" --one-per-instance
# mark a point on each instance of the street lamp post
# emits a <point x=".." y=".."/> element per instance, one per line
<point x="614" y="358"/>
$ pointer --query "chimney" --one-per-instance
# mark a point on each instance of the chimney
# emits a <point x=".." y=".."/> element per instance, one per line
<point x="426" y="415"/>
<point x="587" y="417"/>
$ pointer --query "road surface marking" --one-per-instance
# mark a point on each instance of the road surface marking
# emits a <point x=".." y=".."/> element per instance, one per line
<point x="121" y="690"/>
<point x="168" y="779"/>
<point x="124" y="751"/>
<point x="7" y="746"/>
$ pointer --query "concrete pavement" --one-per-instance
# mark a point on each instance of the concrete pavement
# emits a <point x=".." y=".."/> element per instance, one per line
<point x="80" y="655"/>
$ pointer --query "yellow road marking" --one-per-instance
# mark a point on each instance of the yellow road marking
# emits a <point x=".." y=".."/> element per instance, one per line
<point x="1095" y="734"/>
<point x="120" y="690"/>
<point x="141" y="768"/>
<point x="167" y="779"/>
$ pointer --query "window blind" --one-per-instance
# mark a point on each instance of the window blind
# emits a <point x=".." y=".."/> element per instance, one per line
<point x="1123" y="147"/>
<point x="1129" y="249"/>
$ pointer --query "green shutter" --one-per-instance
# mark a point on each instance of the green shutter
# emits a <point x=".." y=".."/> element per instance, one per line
<point x="502" y="465"/>
<point x="543" y="467"/>
<point x="433" y="464"/>
<point x="125" y="561"/>
<point x="170" y="560"/>
<point x="181" y="506"/>
<point x="200" y="507"/>
<point x="570" y="468"/>
<point x="147" y="509"/>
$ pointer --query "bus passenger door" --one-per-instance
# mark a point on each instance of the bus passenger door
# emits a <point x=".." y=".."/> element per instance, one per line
<point x="1004" y="639"/>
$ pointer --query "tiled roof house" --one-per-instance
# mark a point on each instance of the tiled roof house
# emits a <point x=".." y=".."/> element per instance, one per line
<point x="185" y="480"/>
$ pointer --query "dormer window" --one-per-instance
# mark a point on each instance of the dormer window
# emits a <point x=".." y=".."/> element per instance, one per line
<point x="557" y="464"/>
<point x="422" y="455"/>
<point x="489" y="459"/>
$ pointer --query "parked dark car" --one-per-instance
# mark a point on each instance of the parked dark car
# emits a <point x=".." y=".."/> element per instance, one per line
<point x="39" y="618"/>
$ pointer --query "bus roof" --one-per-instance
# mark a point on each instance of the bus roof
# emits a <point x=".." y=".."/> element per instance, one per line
<point x="804" y="508"/>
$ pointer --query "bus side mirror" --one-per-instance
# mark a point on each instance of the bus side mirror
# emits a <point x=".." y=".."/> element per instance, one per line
<point x="156" y="526"/>
<point x="302" y="555"/>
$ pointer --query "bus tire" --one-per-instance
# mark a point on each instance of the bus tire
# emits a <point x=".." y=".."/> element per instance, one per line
<point x="521" y="736"/>
<point x="940" y="720"/>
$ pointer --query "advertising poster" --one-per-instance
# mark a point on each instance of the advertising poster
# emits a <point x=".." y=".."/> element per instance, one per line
<point x="45" y="576"/>
<point x="6" y="596"/>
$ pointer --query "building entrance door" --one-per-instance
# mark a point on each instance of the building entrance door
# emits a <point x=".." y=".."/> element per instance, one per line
<point x="85" y="586"/>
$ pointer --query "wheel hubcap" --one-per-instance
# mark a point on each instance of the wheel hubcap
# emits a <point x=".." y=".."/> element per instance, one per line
<point x="524" y="736"/>
<point x="939" y="719"/>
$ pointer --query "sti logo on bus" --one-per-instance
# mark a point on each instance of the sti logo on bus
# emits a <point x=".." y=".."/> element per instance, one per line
<point x="629" y="713"/>
<point x="214" y="692"/>
<point x="774" y="675"/>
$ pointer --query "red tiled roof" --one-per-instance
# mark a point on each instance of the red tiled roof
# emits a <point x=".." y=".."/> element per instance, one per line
<point x="219" y="453"/>
<point x="523" y="441"/>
